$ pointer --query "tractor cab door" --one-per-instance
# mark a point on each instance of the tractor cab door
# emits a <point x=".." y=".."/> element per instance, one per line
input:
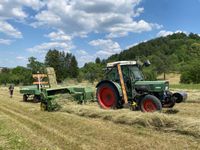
<point x="131" y="74"/>
<point x="127" y="79"/>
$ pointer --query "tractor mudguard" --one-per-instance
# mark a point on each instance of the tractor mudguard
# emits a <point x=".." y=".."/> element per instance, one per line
<point x="114" y="84"/>
<point x="180" y="96"/>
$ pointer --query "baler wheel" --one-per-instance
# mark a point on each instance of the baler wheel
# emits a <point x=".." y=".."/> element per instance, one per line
<point x="25" y="98"/>
<point x="36" y="98"/>
<point x="150" y="103"/>
<point x="108" y="96"/>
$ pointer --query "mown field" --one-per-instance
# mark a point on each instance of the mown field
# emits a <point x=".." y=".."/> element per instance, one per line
<point x="24" y="126"/>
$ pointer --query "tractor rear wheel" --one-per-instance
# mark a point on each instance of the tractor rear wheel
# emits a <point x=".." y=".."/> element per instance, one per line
<point x="150" y="103"/>
<point x="107" y="96"/>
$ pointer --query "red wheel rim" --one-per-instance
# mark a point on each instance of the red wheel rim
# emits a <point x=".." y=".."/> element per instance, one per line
<point x="106" y="97"/>
<point x="149" y="106"/>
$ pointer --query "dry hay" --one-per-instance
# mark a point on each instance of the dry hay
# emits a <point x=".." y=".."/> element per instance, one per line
<point x="52" y="76"/>
<point x="158" y="121"/>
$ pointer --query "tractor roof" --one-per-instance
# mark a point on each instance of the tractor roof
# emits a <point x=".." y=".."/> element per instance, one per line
<point x="122" y="63"/>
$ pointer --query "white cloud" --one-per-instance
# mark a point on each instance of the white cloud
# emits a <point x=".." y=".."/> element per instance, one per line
<point x="14" y="10"/>
<point x="105" y="48"/>
<point x="18" y="12"/>
<point x="138" y="11"/>
<point x="180" y="31"/>
<point x="34" y="4"/>
<point x="129" y="46"/>
<point x="59" y="36"/>
<point x="8" y="29"/>
<point x="44" y="47"/>
<point x="21" y="58"/>
<point x="113" y="17"/>
<point x="81" y="52"/>
<point x="164" y="33"/>
<point x="84" y="57"/>
<point x="121" y="30"/>
<point x="5" y="41"/>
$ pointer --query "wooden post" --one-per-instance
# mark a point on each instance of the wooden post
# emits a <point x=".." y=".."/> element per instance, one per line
<point x="125" y="98"/>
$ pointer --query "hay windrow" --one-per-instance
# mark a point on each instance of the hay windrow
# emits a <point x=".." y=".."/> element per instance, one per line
<point x="158" y="121"/>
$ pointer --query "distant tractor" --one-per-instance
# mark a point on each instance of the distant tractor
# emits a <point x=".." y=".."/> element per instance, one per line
<point x="124" y="85"/>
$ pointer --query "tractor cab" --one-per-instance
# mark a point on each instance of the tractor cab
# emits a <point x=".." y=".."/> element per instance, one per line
<point x="131" y="71"/>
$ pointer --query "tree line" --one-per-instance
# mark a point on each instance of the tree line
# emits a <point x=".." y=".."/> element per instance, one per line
<point x="178" y="52"/>
<point x="65" y="65"/>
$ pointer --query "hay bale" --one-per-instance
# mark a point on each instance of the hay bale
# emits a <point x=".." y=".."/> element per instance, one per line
<point x="52" y="77"/>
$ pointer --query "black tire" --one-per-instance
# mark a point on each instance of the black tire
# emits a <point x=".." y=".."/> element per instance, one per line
<point x="25" y="98"/>
<point x="150" y="103"/>
<point x="36" y="98"/>
<point x="170" y="104"/>
<point x="108" y="96"/>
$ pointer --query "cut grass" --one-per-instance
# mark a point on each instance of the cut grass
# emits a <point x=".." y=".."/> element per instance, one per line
<point x="185" y="86"/>
<point x="150" y="120"/>
<point x="10" y="139"/>
<point x="71" y="131"/>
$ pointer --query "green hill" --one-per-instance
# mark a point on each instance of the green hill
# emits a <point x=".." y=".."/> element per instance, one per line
<point x="174" y="53"/>
<point x="165" y="53"/>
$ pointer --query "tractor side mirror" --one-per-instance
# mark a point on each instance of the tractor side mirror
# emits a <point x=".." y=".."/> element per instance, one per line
<point x="147" y="63"/>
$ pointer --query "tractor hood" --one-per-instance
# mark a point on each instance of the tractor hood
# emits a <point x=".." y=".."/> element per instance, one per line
<point x="154" y="86"/>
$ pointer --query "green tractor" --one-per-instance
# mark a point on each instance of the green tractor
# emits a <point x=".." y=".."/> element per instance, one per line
<point x="124" y="85"/>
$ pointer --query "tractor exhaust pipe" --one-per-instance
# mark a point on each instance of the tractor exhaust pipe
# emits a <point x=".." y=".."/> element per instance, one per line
<point x="180" y="96"/>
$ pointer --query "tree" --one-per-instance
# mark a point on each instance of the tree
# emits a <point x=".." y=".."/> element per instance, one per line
<point x="191" y="72"/>
<point x="92" y="71"/>
<point x="35" y="65"/>
<point x="21" y="75"/>
<point x="53" y="59"/>
<point x="98" y="60"/>
<point x="65" y="64"/>
<point x="73" y="67"/>
<point x="17" y="75"/>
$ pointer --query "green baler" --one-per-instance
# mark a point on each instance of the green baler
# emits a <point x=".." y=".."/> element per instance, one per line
<point x="80" y="94"/>
<point x="47" y="92"/>
<point x="28" y="91"/>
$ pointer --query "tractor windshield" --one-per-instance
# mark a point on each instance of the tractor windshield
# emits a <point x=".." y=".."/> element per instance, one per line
<point x="137" y="74"/>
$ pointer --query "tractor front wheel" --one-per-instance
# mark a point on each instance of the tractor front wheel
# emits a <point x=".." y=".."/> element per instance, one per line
<point x="108" y="96"/>
<point x="150" y="103"/>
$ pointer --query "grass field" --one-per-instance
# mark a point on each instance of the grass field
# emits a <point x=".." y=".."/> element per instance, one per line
<point x="24" y="126"/>
<point x="186" y="86"/>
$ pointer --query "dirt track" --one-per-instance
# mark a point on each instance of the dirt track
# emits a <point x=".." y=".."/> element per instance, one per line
<point x="57" y="130"/>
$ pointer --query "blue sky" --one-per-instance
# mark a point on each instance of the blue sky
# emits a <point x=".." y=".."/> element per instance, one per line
<point x="88" y="29"/>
